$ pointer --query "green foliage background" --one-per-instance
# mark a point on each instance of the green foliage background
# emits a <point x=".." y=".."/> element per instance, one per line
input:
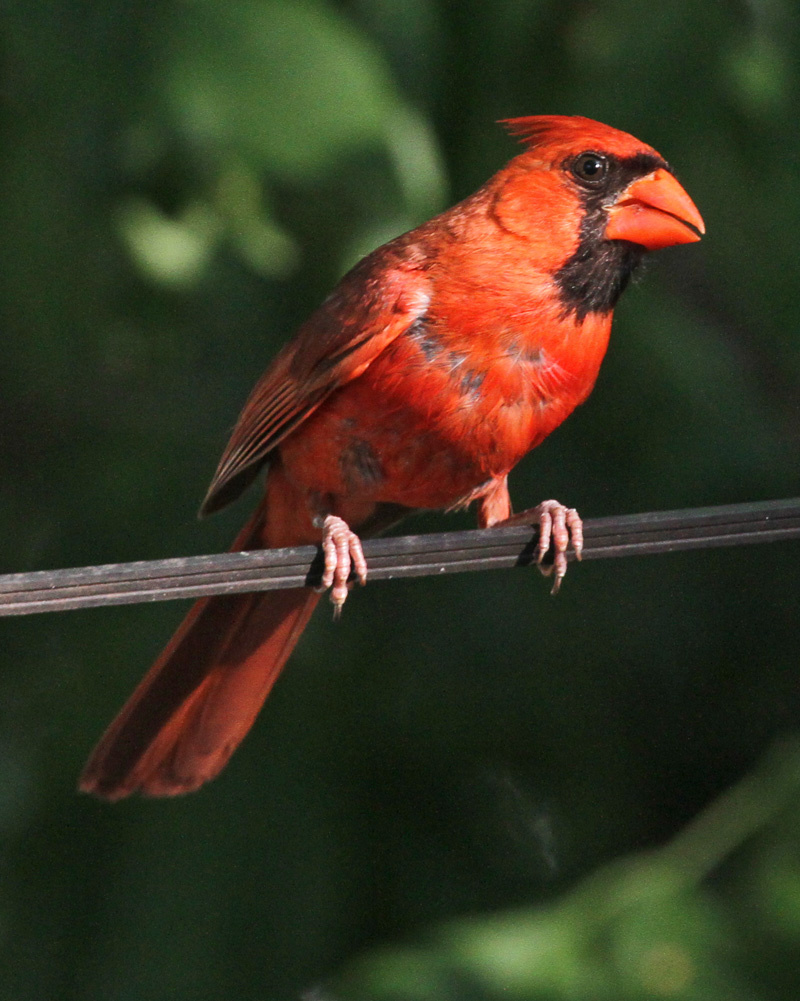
<point x="465" y="790"/>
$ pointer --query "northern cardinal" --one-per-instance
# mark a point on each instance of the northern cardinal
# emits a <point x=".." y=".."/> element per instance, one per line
<point x="438" y="361"/>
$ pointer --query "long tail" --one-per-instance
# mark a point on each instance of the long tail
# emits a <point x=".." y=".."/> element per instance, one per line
<point x="199" y="699"/>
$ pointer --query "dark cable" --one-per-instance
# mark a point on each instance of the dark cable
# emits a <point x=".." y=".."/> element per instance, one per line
<point x="402" y="556"/>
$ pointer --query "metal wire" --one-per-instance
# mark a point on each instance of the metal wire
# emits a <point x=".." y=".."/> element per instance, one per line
<point x="402" y="556"/>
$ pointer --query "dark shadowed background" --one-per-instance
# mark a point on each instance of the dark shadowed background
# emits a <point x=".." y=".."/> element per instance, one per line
<point x="466" y="789"/>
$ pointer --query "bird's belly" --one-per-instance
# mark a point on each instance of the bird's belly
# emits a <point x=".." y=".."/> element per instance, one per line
<point x="420" y="435"/>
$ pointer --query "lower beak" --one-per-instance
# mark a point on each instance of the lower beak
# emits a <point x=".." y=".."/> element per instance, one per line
<point x="654" y="212"/>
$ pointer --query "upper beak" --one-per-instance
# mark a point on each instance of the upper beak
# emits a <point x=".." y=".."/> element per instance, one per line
<point x="654" y="212"/>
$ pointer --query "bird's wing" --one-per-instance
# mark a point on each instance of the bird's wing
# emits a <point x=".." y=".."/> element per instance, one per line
<point x="372" y="305"/>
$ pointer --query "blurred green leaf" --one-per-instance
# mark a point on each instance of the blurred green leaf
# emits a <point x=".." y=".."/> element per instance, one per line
<point x="639" y="928"/>
<point x="291" y="84"/>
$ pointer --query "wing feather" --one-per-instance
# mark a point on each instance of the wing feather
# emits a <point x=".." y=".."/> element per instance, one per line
<point x="372" y="305"/>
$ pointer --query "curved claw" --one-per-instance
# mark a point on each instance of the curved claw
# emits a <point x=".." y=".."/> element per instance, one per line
<point x="343" y="553"/>
<point x="558" y="526"/>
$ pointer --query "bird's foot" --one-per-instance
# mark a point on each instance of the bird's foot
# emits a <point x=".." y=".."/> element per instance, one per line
<point x="342" y="550"/>
<point x="558" y="525"/>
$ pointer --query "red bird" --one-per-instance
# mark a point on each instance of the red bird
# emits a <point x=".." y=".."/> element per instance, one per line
<point x="435" y="365"/>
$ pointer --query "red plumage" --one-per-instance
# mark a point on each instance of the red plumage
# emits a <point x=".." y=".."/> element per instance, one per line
<point x="438" y="362"/>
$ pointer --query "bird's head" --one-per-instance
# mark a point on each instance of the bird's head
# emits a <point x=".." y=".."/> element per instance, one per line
<point x="608" y="196"/>
<point x="615" y="175"/>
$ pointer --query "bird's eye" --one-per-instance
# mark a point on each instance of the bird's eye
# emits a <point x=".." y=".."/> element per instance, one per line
<point x="590" y="168"/>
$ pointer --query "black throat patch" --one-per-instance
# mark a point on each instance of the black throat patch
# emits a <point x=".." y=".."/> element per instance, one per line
<point x="597" y="273"/>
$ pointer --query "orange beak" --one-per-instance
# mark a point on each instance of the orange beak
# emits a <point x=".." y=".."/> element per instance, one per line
<point x="654" y="212"/>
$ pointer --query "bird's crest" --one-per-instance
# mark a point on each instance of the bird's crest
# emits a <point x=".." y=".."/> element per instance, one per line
<point x="572" y="131"/>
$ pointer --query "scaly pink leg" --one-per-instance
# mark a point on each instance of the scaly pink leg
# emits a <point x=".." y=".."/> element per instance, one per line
<point x="342" y="550"/>
<point x="557" y="524"/>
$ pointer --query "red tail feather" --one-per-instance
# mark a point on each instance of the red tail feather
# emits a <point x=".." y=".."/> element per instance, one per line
<point x="196" y="703"/>
<point x="201" y="696"/>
